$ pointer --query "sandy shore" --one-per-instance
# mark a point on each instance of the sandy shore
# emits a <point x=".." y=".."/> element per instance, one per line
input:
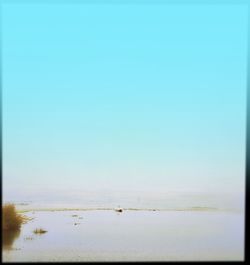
<point x="128" y="236"/>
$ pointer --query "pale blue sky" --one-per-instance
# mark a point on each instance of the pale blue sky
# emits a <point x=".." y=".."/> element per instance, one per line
<point x="124" y="96"/>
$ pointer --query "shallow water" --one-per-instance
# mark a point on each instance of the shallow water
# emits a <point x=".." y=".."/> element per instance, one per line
<point x="129" y="236"/>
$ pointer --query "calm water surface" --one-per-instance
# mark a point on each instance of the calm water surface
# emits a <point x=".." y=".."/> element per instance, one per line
<point x="128" y="236"/>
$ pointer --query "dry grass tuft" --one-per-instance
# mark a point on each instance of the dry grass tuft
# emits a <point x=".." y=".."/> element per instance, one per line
<point x="39" y="231"/>
<point x="11" y="220"/>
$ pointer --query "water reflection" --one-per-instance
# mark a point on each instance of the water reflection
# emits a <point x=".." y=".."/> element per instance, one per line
<point x="9" y="238"/>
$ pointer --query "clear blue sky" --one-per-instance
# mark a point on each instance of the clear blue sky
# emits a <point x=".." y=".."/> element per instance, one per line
<point x="124" y="96"/>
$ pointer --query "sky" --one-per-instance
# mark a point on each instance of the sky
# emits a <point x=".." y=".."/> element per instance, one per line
<point x="124" y="96"/>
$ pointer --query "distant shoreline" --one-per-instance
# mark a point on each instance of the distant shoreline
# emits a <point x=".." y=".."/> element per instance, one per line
<point x="196" y="209"/>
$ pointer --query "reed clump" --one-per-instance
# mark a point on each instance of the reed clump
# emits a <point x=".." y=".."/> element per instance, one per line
<point x="11" y="220"/>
